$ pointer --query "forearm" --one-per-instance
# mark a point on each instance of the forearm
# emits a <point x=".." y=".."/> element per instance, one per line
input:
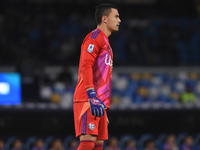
<point x="87" y="74"/>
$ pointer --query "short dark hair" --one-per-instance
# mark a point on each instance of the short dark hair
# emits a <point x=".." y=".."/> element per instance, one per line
<point x="103" y="9"/>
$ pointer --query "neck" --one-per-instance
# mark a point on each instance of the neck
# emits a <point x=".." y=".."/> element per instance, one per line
<point x="104" y="29"/>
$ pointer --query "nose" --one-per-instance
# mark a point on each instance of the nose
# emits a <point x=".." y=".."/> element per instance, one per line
<point x="120" y="20"/>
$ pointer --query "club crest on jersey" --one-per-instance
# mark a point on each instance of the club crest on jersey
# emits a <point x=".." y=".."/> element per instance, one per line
<point x="90" y="48"/>
<point x="91" y="126"/>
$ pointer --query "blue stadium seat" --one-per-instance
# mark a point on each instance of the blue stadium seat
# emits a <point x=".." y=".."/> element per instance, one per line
<point x="131" y="88"/>
<point x="160" y="140"/>
<point x="142" y="139"/>
<point x="179" y="138"/>
<point x="144" y="83"/>
<point x="196" y="142"/>
<point x="124" y="138"/>
<point x="29" y="141"/>
<point x="47" y="141"/>
<point x="163" y="98"/>
<point x="138" y="99"/>
<point x="67" y="140"/>
<point x="9" y="142"/>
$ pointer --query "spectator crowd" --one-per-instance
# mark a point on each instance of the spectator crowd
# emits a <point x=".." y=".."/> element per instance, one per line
<point x="182" y="141"/>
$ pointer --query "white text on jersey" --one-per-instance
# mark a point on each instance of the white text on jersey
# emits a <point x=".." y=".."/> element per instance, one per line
<point x="108" y="62"/>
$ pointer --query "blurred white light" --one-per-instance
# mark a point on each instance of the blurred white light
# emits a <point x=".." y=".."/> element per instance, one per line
<point x="66" y="100"/>
<point x="125" y="102"/>
<point x="180" y="86"/>
<point x="4" y="88"/>
<point x="121" y="83"/>
<point x="153" y="92"/>
<point x="45" y="92"/>
<point x="183" y="76"/>
<point x="60" y="86"/>
<point x="165" y="89"/>
<point x="198" y="87"/>
<point x="156" y="81"/>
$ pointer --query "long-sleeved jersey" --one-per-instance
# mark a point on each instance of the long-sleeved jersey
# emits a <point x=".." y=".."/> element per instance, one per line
<point x="95" y="68"/>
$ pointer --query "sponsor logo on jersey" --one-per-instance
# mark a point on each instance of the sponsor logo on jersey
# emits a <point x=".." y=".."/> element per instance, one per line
<point x="90" y="48"/>
<point x="108" y="61"/>
<point x="91" y="126"/>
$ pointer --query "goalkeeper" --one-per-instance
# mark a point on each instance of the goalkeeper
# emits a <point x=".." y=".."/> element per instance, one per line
<point x="93" y="90"/>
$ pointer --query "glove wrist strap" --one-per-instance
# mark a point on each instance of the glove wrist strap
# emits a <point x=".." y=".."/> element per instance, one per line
<point x="91" y="93"/>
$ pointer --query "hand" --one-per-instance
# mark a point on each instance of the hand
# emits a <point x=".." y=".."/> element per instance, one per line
<point x="96" y="105"/>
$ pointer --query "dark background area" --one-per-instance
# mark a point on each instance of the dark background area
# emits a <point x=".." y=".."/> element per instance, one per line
<point x="136" y="122"/>
<point x="155" y="33"/>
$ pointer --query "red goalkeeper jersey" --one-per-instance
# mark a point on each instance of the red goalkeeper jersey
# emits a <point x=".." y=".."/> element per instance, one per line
<point x="95" y="68"/>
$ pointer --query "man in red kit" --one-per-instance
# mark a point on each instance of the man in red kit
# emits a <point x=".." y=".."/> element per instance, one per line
<point x="93" y="90"/>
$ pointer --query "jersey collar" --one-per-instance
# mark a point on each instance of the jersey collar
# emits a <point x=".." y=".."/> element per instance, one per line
<point x="103" y="34"/>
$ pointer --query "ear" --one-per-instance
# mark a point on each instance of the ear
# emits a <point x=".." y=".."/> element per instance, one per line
<point x="104" y="19"/>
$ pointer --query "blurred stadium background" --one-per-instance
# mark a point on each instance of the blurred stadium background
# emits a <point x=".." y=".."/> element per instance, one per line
<point x="156" y="74"/>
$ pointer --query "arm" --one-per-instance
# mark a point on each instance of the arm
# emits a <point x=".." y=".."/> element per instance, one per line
<point x="88" y="59"/>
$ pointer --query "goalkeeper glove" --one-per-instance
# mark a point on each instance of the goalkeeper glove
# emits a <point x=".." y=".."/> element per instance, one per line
<point x="96" y="105"/>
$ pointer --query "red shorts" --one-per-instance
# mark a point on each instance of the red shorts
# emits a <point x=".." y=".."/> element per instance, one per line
<point x="88" y="124"/>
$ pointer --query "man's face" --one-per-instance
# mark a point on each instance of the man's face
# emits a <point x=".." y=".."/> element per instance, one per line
<point x="113" y="20"/>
